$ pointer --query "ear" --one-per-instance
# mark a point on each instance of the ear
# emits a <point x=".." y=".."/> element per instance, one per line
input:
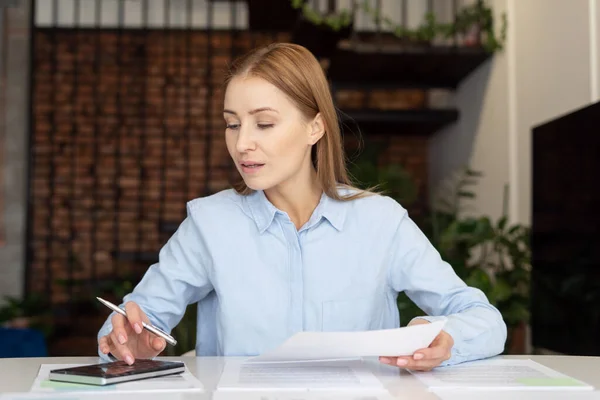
<point x="316" y="129"/>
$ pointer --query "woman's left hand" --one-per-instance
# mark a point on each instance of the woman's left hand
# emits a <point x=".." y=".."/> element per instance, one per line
<point x="424" y="359"/>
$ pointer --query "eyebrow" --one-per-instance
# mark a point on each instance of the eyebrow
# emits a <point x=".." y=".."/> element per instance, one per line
<point x="251" y="112"/>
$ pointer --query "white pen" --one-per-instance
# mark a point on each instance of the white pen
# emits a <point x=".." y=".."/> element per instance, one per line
<point x="151" y="328"/>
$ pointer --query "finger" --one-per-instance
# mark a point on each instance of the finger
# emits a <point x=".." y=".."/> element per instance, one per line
<point x="149" y="346"/>
<point x="159" y="344"/>
<point x="425" y="364"/>
<point x="118" y="324"/>
<point x="135" y="315"/>
<point x="387" y="360"/>
<point x="395" y="361"/>
<point x="410" y="363"/>
<point x="121" y="351"/>
<point x="432" y="353"/>
<point x="440" y="348"/>
<point x="104" y="345"/>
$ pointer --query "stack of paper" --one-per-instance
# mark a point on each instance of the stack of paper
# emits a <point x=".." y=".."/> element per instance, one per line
<point x="329" y="361"/>
<point x="318" y="395"/>
<point x="524" y="395"/>
<point x="305" y="376"/>
<point x="101" y="396"/>
<point x="498" y="375"/>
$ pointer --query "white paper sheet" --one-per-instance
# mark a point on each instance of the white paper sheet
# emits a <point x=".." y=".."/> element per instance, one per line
<point x="519" y="395"/>
<point x="305" y="376"/>
<point x="103" y="396"/>
<point x="181" y="382"/>
<point x="264" y="395"/>
<point x="499" y="374"/>
<point x="315" y="346"/>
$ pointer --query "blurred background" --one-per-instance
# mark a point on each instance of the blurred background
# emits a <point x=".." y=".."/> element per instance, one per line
<point x="480" y="117"/>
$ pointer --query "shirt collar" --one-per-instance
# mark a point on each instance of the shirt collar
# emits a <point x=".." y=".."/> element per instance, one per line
<point x="332" y="210"/>
<point x="263" y="211"/>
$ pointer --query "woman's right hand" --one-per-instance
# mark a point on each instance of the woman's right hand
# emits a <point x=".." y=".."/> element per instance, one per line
<point x="128" y="340"/>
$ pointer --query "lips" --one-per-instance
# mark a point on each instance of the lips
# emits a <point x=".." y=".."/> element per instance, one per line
<point x="251" y="167"/>
<point x="251" y="164"/>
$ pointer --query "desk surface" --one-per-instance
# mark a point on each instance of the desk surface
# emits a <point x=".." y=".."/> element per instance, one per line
<point x="17" y="374"/>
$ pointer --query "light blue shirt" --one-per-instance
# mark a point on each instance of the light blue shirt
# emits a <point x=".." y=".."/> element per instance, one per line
<point x="259" y="280"/>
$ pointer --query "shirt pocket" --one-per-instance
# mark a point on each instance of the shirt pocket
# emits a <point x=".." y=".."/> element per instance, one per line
<point x="354" y="314"/>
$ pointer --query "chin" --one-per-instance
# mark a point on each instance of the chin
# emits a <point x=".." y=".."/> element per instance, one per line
<point x="257" y="184"/>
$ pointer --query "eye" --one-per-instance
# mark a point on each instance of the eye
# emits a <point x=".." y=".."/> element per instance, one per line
<point x="265" y="126"/>
<point x="233" y="126"/>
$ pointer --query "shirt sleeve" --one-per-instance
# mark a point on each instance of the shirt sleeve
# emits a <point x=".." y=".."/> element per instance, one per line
<point x="417" y="269"/>
<point x="178" y="279"/>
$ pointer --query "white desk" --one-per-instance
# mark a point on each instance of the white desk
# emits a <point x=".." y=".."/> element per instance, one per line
<point x="17" y="375"/>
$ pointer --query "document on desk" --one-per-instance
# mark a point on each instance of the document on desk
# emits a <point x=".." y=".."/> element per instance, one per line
<point x="316" y="346"/>
<point x="517" y="395"/>
<point x="181" y="382"/>
<point x="497" y="375"/>
<point x="202" y="396"/>
<point x="305" y="376"/>
<point x="283" y="395"/>
<point x="102" y="396"/>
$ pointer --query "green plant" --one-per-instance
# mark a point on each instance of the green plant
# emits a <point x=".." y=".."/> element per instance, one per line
<point x="334" y="20"/>
<point x="427" y="31"/>
<point x="493" y="256"/>
<point x="391" y="179"/>
<point x="32" y="311"/>
<point x="479" y="17"/>
<point x="476" y="17"/>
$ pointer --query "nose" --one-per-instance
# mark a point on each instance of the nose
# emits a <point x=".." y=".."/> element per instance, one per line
<point x="245" y="142"/>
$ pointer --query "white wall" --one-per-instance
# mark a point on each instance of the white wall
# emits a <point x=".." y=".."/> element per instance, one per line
<point x="552" y="72"/>
<point x="479" y="138"/>
<point x="595" y="68"/>
<point x="15" y="158"/>
<point x="548" y="68"/>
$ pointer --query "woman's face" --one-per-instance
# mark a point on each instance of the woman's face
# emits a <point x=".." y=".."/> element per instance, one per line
<point x="267" y="137"/>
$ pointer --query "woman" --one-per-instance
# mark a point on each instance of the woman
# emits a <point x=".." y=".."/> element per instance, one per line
<point x="294" y="247"/>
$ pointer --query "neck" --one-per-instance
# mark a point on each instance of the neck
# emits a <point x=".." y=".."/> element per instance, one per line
<point x="297" y="197"/>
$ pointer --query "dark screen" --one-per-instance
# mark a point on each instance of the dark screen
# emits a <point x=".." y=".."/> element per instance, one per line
<point x="565" y="297"/>
<point x="120" y="368"/>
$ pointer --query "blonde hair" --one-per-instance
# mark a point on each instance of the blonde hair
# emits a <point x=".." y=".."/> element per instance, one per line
<point x="296" y="72"/>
